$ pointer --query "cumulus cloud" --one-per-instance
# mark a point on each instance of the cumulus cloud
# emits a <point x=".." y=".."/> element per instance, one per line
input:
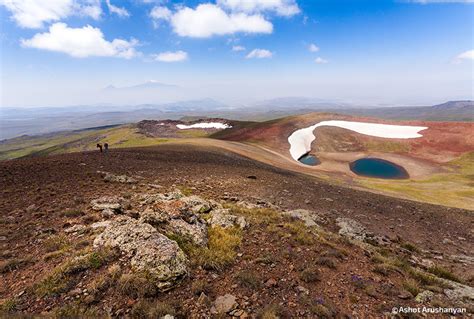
<point x="160" y="13"/>
<point x="468" y="55"/>
<point x="81" y="42"/>
<point x="121" y="12"/>
<point x="34" y="13"/>
<point x="313" y="48"/>
<point x="169" y="56"/>
<point x="320" y="60"/>
<point x="280" y="7"/>
<point x="259" y="54"/>
<point x="208" y="20"/>
<point x="238" y="48"/>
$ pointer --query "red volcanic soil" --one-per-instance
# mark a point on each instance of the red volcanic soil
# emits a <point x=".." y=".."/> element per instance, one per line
<point x="441" y="142"/>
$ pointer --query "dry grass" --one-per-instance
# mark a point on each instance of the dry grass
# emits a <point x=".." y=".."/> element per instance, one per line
<point x="249" y="279"/>
<point x="136" y="285"/>
<point x="13" y="264"/>
<point x="150" y="310"/>
<point x="310" y="274"/>
<point x="444" y="273"/>
<point x="55" y="243"/>
<point x="220" y="251"/>
<point x="61" y="279"/>
<point x="327" y="262"/>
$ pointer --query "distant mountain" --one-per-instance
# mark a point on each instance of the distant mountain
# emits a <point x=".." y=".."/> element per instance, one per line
<point x="151" y="84"/>
<point x="455" y="105"/>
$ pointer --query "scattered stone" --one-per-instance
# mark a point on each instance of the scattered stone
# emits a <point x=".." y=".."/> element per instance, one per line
<point x="424" y="296"/>
<point x="271" y="283"/>
<point x="75" y="229"/>
<point x="308" y="217"/>
<point x="148" y="250"/>
<point x="195" y="204"/>
<point x="459" y="292"/>
<point x="302" y="290"/>
<point x="223" y="218"/>
<point x="225" y="304"/>
<point x="113" y="203"/>
<point x="109" y="177"/>
<point x="404" y="295"/>
<point x="101" y="224"/>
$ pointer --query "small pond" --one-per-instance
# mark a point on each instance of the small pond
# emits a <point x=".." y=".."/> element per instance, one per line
<point x="309" y="159"/>
<point x="378" y="168"/>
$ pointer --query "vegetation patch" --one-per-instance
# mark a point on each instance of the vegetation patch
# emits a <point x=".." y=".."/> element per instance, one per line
<point x="61" y="279"/>
<point x="444" y="273"/>
<point x="152" y="309"/>
<point x="249" y="279"/>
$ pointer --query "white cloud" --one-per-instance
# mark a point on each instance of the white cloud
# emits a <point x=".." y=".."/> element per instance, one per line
<point x="208" y="20"/>
<point x="121" y="12"/>
<point x="238" y="48"/>
<point x="280" y="7"/>
<point x="441" y="1"/>
<point x="468" y="55"/>
<point x="259" y="54"/>
<point x="81" y="42"/>
<point x="320" y="60"/>
<point x="160" y="13"/>
<point x="34" y="13"/>
<point x="313" y="48"/>
<point x="169" y="56"/>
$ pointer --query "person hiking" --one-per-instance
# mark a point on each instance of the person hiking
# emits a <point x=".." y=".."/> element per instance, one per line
<point x="106" y="147"/>
<point x="99" y="146"/>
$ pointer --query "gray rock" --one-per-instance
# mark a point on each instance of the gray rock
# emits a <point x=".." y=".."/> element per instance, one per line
<point x="223" y="218"/>
<point x="459" y="292"/>
<point x="75" y="229"/>
<point x="424" y="296"/>
<point x="114" y="203"/>
<point x="101" y="224"/>
<point x="148" y="250"/>
<point x="195" y="204"/>
<point x="109" y="177"/>
<point x="196" y="232"/>
<point x="225" y="304"/>
<point x="154" y="217"/>
<point x="351" y="229"/>
<point x="309" y="218"/>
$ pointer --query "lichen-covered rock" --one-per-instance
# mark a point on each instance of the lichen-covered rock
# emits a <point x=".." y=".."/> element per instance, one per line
<point x="424" y="296"/>
<point x="148" y="250"/>
<point x="196" y="232"/>
<point x="154" y="217"/>
<point x="109" y="177"/>
<point x="309" y="218"/>
<point x="459" y="292"/>
<point x="351" y="229"/>
<point x="195" y="204"/>
<point x="224" y="219"/>
<point x="113" y="203"/>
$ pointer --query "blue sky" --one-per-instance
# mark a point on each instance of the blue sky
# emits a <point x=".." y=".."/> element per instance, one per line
<point x="64" y="52"/>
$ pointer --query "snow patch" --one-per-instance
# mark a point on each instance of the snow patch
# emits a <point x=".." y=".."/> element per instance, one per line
<point x="300" y="140"/>
<point x="217" y="125"/>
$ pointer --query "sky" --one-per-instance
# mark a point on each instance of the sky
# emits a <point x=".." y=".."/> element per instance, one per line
<point x="366" y="52"/>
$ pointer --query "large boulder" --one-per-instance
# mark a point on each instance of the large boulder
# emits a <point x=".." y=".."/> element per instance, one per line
<point x="196" y="232"/>
<point x="195" y="204"/>
<point x="149" y="251"/>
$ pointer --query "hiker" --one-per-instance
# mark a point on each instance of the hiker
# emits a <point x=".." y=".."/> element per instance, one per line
<point x="99" y="146"/>
<point x="106" y="147"/>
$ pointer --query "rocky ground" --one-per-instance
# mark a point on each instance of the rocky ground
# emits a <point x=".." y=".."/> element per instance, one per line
<point x="186" y="231"/>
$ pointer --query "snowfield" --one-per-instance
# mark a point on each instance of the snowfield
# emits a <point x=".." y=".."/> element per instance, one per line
<point x="300" y="140"/>
<point x="216" y="125"/>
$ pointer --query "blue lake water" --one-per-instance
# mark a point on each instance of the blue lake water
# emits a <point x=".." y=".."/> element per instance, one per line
<point x="309" y="160"/>
<point x="378" y="168"/>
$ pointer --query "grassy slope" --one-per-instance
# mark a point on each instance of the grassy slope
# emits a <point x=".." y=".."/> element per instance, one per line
<point x="76" y="141"/>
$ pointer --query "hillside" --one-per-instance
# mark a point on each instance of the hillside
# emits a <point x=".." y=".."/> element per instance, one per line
<point x="245" y="240"/>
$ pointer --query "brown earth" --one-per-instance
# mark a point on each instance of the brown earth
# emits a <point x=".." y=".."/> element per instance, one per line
<point x="36" y="193"/>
